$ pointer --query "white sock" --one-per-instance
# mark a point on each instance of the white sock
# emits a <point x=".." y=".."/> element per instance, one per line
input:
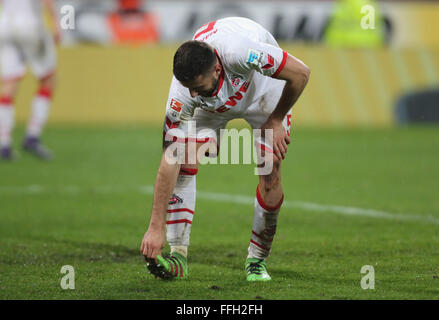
<point x="181" y="211"/>
<point x="264" y="228"/>
<point x="7" y="117"/>
<point x="39" y="114"/>
<point x="179" y="249"/>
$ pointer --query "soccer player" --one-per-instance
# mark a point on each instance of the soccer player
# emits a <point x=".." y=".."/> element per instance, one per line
<point x="24" y="40"/>
<point x="232" y="68"/>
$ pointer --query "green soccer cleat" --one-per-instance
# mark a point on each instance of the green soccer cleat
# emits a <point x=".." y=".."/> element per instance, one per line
<point x="170" y="267"/>
<point x="256" y="270"/>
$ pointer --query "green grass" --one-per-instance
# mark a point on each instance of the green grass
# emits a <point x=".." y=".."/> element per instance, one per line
<point x="84" y="209"/>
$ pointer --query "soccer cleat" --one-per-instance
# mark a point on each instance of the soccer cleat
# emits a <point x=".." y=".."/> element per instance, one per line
<point x="256" y="270"/>
<point x="36" y="148"/>
<point x="170" y="267"/>
<point x="7" y="154"/>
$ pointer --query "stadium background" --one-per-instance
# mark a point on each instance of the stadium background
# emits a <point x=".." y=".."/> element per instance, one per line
<point x="354" y="84"/>
<point x="359" y="188"/>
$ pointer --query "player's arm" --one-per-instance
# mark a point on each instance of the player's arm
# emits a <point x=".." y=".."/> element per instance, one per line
<point x="245" y="56"/>
<point x="50" y="6"/>
<point x="154" y="238"/>
<point x="296" y="75"/>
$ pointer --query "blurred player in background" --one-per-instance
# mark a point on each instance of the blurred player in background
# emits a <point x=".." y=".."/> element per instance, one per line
<point x="24" y="41"/>
<point x="233" y="68"/>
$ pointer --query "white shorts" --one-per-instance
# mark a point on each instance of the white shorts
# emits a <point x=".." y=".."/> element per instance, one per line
<point x="37" y="52"/>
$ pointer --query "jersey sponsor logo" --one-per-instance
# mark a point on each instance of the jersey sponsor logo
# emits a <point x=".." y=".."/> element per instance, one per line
<point x="176" y="105"/>
<point x="260" y="59"/>
<point x="233" y="100"/>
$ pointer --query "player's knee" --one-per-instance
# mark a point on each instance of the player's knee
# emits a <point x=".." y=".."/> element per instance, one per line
<point x="9" y="88"/>
<point x="48" y="82"/>
<point x="271" y="180"/>
<point x="276" y="164"/>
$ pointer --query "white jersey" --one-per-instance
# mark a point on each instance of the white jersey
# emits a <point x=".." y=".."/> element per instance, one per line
<point x="251" y="60"/>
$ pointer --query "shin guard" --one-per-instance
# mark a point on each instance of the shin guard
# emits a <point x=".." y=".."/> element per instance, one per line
<point x="264" y="227"/>
<point x="181" y="209"/>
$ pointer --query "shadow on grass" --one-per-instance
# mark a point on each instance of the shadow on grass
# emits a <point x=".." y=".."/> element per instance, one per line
<point x="45" y="250"/>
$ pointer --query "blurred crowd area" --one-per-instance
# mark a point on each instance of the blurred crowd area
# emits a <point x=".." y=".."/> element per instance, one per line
<point x="397" y="22"/>
<point x="366" y="71"/>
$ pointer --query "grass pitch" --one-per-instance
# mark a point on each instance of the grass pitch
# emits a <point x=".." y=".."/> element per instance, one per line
<point x="90" y="208"/>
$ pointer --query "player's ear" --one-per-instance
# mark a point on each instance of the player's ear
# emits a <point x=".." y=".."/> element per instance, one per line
<point x="218" y="69"/>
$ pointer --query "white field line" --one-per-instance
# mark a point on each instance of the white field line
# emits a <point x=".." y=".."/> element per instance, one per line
<point x="309" y="206"/>
<point x="221" y="197"/>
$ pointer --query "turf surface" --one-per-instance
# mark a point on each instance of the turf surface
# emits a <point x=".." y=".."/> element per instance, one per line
<point x="90" y="207"/>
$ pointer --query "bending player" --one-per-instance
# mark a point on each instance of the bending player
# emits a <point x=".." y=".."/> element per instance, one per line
<point x="233" y="68"/>
<point x="24" y="40"/>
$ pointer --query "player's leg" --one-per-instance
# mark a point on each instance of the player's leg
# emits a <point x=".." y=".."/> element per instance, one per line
<point x="269" y="198"/>
<point x="40" y="109"/>
<point x="12" y="70"/>
<point x="268" y="201"/>
<point x="181" y="206"/>
<point x="7" y="116"/>
<point x="43" y="64"/>
<point x="180" y="214"/>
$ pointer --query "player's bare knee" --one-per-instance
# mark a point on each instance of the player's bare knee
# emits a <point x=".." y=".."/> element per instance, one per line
<point x="270" y="181"/>
<point x="48" y="82"/>
<point x="9" y="88"/>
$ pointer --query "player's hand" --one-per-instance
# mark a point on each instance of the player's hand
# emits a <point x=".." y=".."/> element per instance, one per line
<point x="153" y="242"/>
<point x="280" y="138"/>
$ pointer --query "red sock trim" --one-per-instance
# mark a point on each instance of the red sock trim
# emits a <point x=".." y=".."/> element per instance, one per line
<point x="6" y="100"/>
<point x="179" y="221"/>
<point x="188" y="171"/>
<point x="180" y="210"/>
<point x="260" y="237"/>
<point x="45" y="92"/>
<point x="264" y="205"/>
<point x="259" y="245"/>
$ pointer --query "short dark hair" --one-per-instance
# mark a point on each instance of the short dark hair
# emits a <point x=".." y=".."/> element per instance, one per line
<point x="193" y="58"/>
